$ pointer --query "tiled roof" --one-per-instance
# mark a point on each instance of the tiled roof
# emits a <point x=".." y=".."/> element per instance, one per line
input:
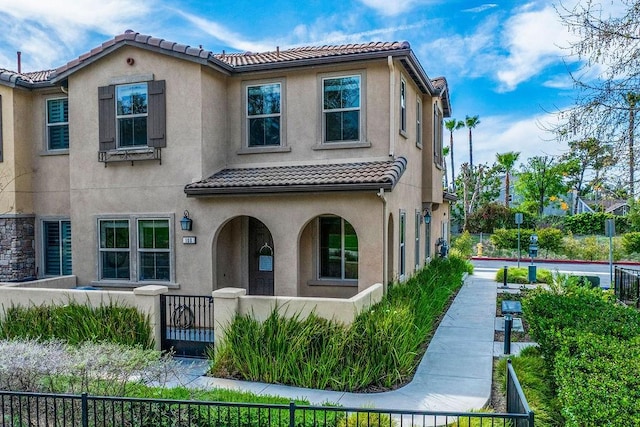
<point x="303" y="178"/>
<point x="309" y="52"/>
<point x="35" y="77"/>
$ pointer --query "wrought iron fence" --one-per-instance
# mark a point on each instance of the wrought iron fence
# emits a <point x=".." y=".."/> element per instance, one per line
<point x="627" y="285"/>
<point x="516" y="401"/>
<point x="187" y="324"/>
<point x="59" y="410"/>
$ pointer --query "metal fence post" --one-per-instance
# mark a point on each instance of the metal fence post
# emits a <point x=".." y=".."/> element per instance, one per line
<point x="85" y="410"/>
<point x="292" y="414"/>
<point x="508" y="324"/>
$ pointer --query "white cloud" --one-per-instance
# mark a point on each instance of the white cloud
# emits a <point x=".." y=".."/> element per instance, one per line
<point x="47" y="33"/>
<point x="392" y="7"/>
<point x="499" y="134"/>
<point x="481" y="8"/>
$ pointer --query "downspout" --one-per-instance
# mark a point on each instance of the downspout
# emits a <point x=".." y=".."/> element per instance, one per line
<point x="392" y="109"/>
<point x="385" y="239"/>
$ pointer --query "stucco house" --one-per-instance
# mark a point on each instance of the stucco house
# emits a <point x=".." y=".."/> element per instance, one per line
<point x="304" y="172"/>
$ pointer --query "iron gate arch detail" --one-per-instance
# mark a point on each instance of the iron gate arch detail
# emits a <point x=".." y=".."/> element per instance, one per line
<point x="186" y="324"/>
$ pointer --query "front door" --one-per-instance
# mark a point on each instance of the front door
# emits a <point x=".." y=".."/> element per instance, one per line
<point x="260" y="259"/>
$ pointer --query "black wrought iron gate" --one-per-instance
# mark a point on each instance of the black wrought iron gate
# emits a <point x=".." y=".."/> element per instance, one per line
<point x="187" y="324"/>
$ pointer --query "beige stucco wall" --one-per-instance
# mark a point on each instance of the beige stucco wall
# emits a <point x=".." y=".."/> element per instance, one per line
<point x="145" y="299"/>
<point x="204" y="134"/>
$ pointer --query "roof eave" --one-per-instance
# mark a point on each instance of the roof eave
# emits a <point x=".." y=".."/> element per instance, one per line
<point x="209" y="61"/>
<point x="322" y="60"/>
<point x="450" y="197"/>
<point x="279" y="189"/>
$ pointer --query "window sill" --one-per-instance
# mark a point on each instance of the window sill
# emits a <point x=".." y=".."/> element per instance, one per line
<point x="404" y="134"/>
<point x="130" y="285"/>
<point x="341" y="145"/>
<point x="419" y="145"/>
<point x="261" y="150"/>
<point x="333" y="282"/>
<point x="61" y="152"/>
<point x="130" y="155"/>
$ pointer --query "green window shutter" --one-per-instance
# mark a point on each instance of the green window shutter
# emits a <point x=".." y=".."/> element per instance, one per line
<point x="65" y="237"/>
<point x="106" y="118"/>
<point x="52" y="248"/>
<point x="156" y="121"/>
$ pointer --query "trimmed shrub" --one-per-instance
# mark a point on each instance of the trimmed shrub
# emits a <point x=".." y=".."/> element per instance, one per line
<point x="550" y="239"/>
<point x="521" y="275"/>
<point x="463" y="244"/>
<point x="631" y="242"/>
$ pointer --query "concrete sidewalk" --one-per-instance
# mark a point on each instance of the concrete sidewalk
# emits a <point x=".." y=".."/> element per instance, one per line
<point x="455" y="373"/>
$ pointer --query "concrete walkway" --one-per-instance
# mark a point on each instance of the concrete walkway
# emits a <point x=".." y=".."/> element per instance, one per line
<point x="455" y="373"/>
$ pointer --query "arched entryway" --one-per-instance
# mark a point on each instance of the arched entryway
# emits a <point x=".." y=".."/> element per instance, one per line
<point x="244" y="256"/>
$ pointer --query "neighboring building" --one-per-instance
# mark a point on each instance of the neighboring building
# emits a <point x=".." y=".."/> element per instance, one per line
<point x="305" y="172"/>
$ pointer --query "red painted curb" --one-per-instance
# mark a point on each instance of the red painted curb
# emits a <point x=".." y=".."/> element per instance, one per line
<point x="553" y="261"/>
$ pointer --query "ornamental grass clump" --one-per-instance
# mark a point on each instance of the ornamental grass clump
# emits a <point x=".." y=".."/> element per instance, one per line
<point x="379" y="351"/>
<point x="76" y="323"/>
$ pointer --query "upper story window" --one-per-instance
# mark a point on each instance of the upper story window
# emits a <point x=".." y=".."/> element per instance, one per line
<point x="418" y="123"/>
<point x="341" y="103"/>
<point x="437" y="135"/>
<point x="264" y="112"/>
<point x="403" y="106"/>
<point x="57" y="124"/>
<point x="131" y="115"/>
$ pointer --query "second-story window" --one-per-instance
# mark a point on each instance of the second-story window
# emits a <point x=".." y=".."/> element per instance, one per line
<point x="418" y="123"/>
<point x="131" y="115"/>
<point x="263" y="115"/>
<point x="57" y="124"/>
<point x="341" y="108"/>
<point x="403" y="106"/>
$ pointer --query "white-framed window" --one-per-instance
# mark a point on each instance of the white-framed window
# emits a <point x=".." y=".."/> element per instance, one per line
<point x="338" y="249"/>
<point x="437" y="135"/>
<point x="56" y="247"/>
<point x="264" y="114"/>
<point x="417" y="239"/>
<point x="131" y="115"/>
<point x="57" y="123"/>
<point x="341" y="108"/>
<point x="135" y="249"/>
<point x="403" y="106"/>
<point x="115" y="249"/>
<point x="418" y="123"/>
<point x="402" y="235"/>
<point x="427" y="241"/>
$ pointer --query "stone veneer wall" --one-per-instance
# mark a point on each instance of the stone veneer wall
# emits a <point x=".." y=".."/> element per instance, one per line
<point x="17" y="247"/>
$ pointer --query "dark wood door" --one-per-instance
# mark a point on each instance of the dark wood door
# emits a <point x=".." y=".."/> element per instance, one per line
<point x="260" y="259"/>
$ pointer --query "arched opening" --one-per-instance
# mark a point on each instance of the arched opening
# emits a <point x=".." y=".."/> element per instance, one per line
<point x="244" y="256"/>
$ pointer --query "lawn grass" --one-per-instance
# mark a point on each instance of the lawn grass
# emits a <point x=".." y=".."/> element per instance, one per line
<point x="379" y="351"/>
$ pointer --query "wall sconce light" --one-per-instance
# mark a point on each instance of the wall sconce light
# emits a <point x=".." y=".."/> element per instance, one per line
<point x="427" y="217"/>
<point x="186" y="223"/>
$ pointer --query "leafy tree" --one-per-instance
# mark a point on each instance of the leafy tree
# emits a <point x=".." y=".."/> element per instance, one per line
<point x="452" y="125"/>
<point x="541" y="178"/>
<point x="475" y="187"/>
<point x="471" y="123"/>
<point x="607" y="45"/>
<point x="506" y="163"/>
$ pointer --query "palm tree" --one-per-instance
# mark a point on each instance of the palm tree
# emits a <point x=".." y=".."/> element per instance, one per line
<point x="471" y="122"/>
<point x="452" y="125"/>
<point x="445" y="153"/>
<point x="506" y="163"/>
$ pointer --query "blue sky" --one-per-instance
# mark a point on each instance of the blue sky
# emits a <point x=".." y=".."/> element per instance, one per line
<point x="504" y="60"/>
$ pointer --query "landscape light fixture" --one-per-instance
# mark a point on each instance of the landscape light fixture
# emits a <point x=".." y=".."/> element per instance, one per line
<point x="186" y="223"/>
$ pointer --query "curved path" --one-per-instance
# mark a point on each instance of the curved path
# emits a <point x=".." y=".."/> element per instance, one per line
<point x="455" y="373"/>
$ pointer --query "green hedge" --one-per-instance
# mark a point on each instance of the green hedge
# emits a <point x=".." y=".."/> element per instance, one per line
<point x="592" y="347"/>
<point x="593" y="223"/>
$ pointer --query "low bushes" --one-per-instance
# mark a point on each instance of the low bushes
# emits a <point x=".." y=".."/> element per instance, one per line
<point x="591" y="347"/>
<point x="76" y="323"/>
<point x="521" y="275"/>
<point x="380" y="350"/>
